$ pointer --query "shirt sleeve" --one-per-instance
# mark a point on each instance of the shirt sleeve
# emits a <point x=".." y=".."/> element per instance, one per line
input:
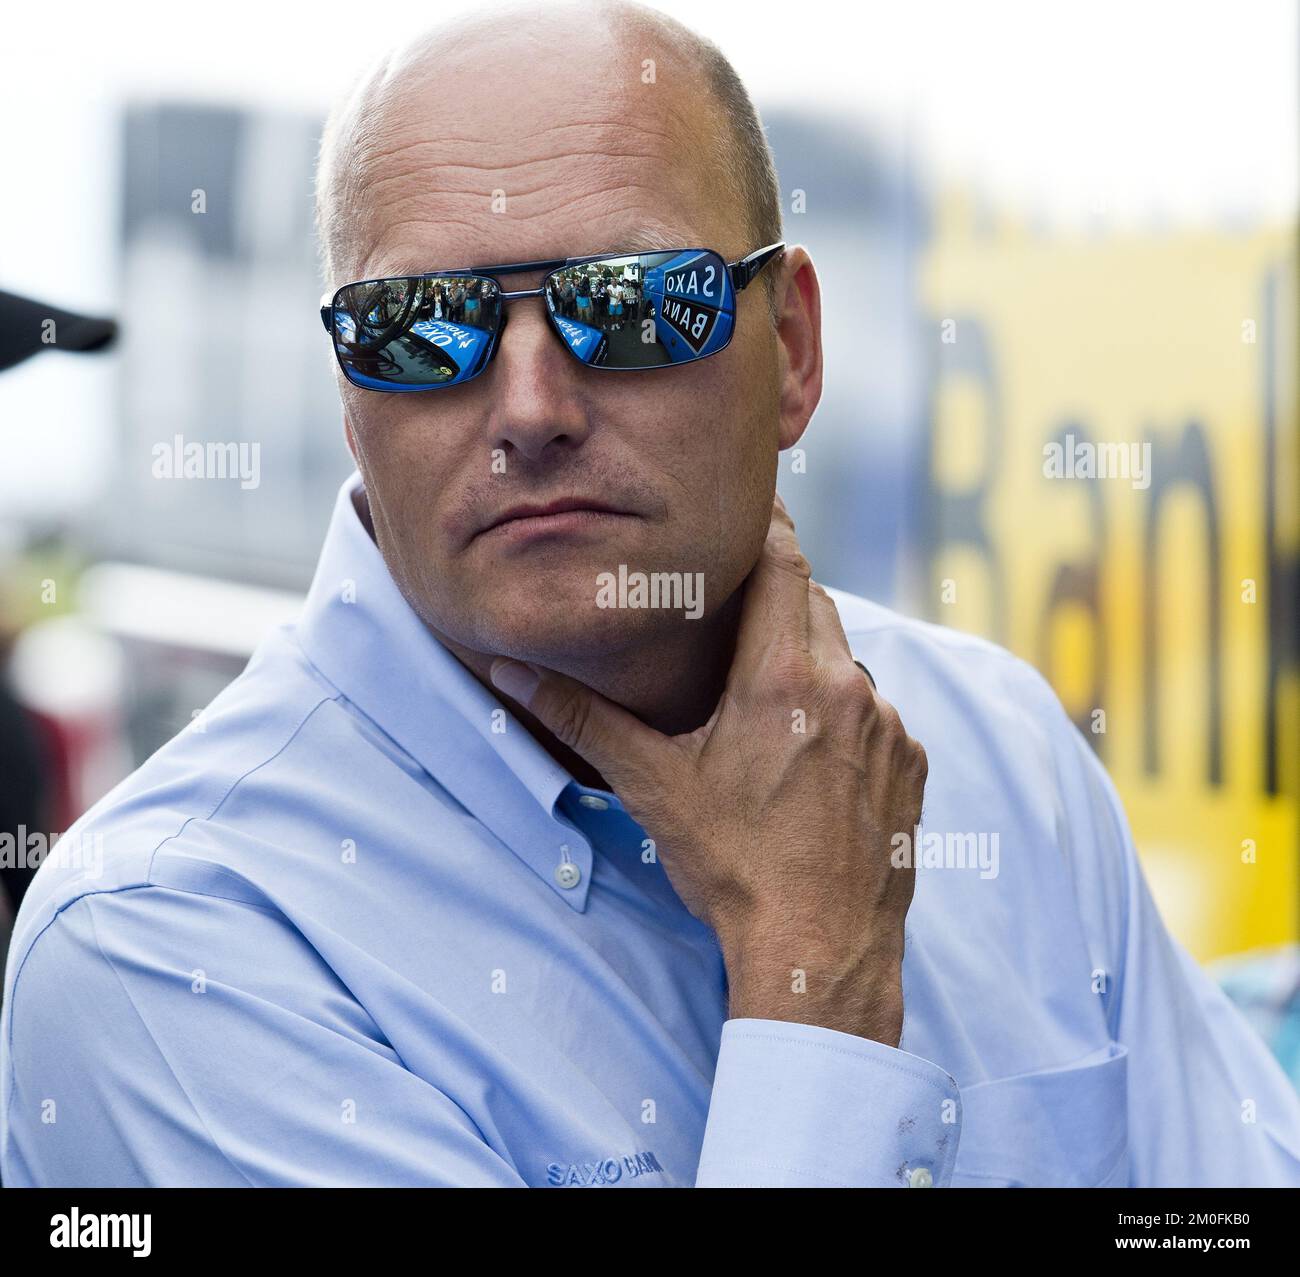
<point x="798" y="1106"/>
<point x="167" y="1038"/>
<point x="1208" y="1105"/>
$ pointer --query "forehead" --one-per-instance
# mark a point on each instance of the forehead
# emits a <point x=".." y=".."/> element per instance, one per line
<point x="507" y="158"/>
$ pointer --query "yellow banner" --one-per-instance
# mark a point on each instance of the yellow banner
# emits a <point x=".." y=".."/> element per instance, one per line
<point x="1111" y="492"/>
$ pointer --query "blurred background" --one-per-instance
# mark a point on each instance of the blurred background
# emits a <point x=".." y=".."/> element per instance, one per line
<point x="1033" y="224"/>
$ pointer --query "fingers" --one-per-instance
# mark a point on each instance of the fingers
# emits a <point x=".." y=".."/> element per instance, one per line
<point x="616" y="743"/>
<point x="826" y="637"/>
<point x="783" y="605"/>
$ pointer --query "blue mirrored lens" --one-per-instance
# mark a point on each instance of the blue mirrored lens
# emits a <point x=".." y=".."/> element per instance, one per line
<point x="416" y="333"/>
<point x="643" y="310"/>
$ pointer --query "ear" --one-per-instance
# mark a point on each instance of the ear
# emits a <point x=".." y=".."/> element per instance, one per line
<point x="799" y="336"/>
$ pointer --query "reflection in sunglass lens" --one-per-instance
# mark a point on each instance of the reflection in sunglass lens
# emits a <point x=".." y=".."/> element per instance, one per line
<point x="645" y="310"/>
<point x="416" y="333"/>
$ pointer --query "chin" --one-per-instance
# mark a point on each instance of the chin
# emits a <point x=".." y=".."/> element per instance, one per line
<point x="560" y="628"/>
<point x="559" y="637"/>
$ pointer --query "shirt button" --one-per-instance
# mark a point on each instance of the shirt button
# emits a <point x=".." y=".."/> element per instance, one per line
<point x="593" y="801"/>
<point x="920" y="1178"/>
<point x="567" y="874"/>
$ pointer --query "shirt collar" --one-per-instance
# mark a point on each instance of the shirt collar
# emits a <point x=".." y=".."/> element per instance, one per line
<point x="363" y="636"/>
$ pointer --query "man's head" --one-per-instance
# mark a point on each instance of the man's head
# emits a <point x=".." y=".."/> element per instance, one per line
<point x="535" y="134"/>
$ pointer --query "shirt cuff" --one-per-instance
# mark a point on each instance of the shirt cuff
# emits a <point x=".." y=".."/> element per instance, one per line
<point x="798" y="1106"/>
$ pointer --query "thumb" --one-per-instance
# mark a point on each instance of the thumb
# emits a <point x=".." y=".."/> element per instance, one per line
<point x="614" y="742"/>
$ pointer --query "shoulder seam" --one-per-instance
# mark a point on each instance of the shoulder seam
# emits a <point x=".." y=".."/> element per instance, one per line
<point x="236" y="782"/>
<point x="84" y="898"/>
<point x="147" y="879"/>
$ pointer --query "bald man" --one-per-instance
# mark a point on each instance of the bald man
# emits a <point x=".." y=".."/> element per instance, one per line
<point x="573" y="836"/>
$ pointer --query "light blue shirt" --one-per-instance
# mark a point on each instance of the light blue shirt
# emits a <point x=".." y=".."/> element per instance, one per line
<point x="356" y="926"/>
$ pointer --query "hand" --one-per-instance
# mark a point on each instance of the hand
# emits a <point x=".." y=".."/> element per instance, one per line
<point x="774" y="820"/>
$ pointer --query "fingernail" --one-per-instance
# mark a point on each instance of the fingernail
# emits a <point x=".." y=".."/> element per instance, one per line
<point x="514" y="678"/>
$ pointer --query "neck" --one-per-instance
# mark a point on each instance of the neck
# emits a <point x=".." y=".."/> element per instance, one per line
<point x="672" y="683"/>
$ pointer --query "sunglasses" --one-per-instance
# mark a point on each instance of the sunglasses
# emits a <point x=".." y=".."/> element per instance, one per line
<point x="621" y="312"/>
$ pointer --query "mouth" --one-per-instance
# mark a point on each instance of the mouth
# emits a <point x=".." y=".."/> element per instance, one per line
<point x="565" y="517"/>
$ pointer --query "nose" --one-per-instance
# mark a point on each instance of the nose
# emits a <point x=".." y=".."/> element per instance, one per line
<point x="537" y="400"/>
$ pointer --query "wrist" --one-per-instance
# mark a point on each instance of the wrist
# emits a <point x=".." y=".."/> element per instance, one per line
<point x="863" y="997"/>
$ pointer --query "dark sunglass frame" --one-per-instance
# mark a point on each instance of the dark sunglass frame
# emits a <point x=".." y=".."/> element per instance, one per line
<point x="742" y="273"/>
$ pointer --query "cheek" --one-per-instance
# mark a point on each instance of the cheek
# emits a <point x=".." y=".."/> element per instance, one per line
<point x="408" y="440"/>
<point x="746" y="445"/>
<point x="728" y="425"/>
<point x="714" y="446"/>
<point x="409" y="458"/>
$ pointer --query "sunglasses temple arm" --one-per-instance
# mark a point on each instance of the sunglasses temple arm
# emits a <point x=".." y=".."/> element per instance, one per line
<point x="743" y="271"/>
<point x="327" y="312"/>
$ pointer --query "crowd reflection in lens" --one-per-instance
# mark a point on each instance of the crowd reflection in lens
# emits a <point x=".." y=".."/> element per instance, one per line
<point x="639" y="311"/>
<point x="416" y="331"/>
<point x="609" y="299"/>
<point x="644" y="310"/>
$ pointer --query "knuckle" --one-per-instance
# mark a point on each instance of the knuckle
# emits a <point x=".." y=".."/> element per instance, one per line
<point x="789" y="669"/>
<point x="887" y="717"/>
<point x="787" y="556"/>
<point x="920" y="759"/>
<point x="850" y="689"/>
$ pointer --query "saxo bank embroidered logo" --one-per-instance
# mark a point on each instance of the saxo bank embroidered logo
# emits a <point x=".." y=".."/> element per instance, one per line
<point x="601" y="1174"/>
